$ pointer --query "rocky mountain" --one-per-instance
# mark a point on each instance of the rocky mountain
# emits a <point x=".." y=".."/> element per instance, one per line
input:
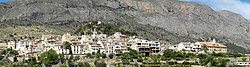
<point x="166" y="20"/>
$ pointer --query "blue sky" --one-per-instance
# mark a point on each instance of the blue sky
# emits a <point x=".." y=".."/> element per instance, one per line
<point x="248" y="1"/>
<point x="3" y="0"/>
<point x="237" y="6"/>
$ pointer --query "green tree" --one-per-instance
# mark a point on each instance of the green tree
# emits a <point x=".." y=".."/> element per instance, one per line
<point x="102" y="28"/>
<point x="205" y="48"/>
<point x="9" y="52"/>
<point x="125" y="58"/>
<point x="169" y="53"/>
<point x="50" y="57"/>
<point x="111" y="55"/>
<point x="140" y="59"/>
<point x="155" y="58"/>
<point x="88" y="55"/>
<point x="61" y="57"/>
<point x="103" y="55"/>
<point x="32" y="61"/>
<point x="100" y="64"/>
<point x="86" y="64"/>
<point x="244" y="59"/>
<point x="203" y="58"/>
<point x="63" y="65"/>
<point x="98" y="54"/>
<point x="220" y="62"/>
<point x="77" y="58"/>
<point x="190" y="55"/>
<point x="67" y="46"/>
<point x="81" y="64"/>
<point x="133" y="53"/>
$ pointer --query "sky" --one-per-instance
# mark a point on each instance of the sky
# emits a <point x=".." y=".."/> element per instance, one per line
<point x="241" y="7"/>
<point x="3" y="0"/>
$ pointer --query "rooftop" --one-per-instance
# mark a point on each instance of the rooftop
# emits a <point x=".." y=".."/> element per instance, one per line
<point x="212" y="44"/>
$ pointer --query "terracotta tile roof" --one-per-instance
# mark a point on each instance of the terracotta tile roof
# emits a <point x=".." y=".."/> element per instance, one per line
<point x="211" y="44"/>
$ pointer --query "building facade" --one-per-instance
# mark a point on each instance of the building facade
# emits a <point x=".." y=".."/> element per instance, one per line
<point x="80" y="45"/>
<point x="200" y="47"/>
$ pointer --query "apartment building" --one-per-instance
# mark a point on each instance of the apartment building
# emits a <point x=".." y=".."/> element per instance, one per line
<point x="146" y="47"/>
<point x="186" y="47"/>
<point x="213" y="46"/>
<point x="80" y="45"/>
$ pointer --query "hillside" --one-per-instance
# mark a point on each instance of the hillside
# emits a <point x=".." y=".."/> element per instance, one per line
<point x="167" y="20"/>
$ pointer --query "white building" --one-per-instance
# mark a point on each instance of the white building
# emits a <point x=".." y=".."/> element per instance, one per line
<point x="186" y="46"/>
<point x="117" y="43"/>
<point x="213" y="46"/>
<point x="146" y="47"/>
<point x="195" y="47"/>
<point x="242" y="63"/>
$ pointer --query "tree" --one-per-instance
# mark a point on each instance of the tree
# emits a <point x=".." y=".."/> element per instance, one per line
<point x="32" y="61"/>
<point x="103" y="55"/>
<point x="102" y="28"/>
<point x="9" y="52"/>
<point x="88" y="55"/>
<point x="50" y="57"/>
<point x="190" y="55"/>
<point x="169" y="53"/>
<point x="125" y="58"/>
<point x="244" y="59"/>
<point x="100" y="64"/>
<point x="111" y="55"/>
<point x="86" y="64"/>
<point x="61" y="57"/>
<point x="133" y="53"/>
<point x="81" y="64"/>
<point x="67" y="46"/>
<point x="155" y="58"/>
<point x="220" y="62"/>
<point x="12" y="52"/>
<point x="205" y="48"/>
<point x="140" y="59"/>
<point x="77" y="58"/>
<point x="203" y="58"/>
<point x="98" y="54"/>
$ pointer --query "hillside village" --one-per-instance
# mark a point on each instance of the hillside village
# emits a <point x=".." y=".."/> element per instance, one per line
<point x="122" y="50"/>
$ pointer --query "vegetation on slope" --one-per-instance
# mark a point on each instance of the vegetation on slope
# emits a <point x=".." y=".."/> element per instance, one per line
<point x="102" y="28"/>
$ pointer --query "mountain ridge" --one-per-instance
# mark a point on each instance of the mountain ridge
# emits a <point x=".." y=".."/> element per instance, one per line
<point x="168" y="20"/>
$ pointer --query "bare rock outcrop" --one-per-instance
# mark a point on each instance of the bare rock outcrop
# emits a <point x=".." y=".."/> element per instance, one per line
<point x="167" y="20"/>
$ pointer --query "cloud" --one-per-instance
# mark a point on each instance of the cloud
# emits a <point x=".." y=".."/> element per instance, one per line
<point x="236" y="6"/>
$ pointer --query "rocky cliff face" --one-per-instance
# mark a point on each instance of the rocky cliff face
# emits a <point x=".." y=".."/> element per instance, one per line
<point x="168" y="20"/>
